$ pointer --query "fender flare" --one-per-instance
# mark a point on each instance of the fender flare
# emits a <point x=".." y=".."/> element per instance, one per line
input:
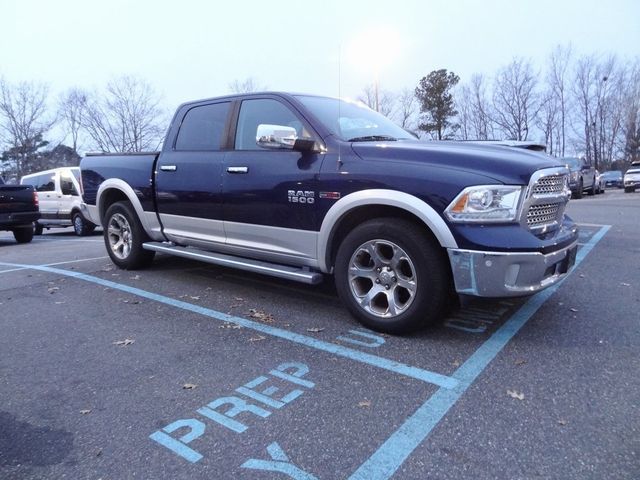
<point x="392" y="198"/>
<point x="149" y="222"/>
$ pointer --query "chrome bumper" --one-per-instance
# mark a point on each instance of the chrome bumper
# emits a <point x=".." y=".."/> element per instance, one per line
<point x="501" y="274"/>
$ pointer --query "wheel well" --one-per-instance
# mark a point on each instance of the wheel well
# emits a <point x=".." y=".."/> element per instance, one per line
<point x="359" y="215"/>
<point x="109" y="197"/>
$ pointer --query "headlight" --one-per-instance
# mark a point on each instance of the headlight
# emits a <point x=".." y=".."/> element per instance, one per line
<point x="485" y="203"/>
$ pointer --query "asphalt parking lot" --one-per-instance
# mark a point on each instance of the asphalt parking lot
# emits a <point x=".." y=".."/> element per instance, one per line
<point x="186" y="370"/>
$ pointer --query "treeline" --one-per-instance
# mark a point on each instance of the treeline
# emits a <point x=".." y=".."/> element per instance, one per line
<point x="125" y="116"/>
<point x="578" y="105"/>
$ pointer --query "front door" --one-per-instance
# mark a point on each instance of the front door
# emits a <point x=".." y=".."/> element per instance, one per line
<point x="270" y="196"/>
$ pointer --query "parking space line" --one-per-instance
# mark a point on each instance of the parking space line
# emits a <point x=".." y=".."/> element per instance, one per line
<point x="397" y="448"/>
<point x="356" y="355"/>
<point x="54" y="264"/>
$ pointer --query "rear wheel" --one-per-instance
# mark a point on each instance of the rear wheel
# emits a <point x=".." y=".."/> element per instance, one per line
<point x="81" y="226"/>
<point x="592" y="190"/>
<point x="124" y="236"/>
<point x="23" y="234"/>
<point x="391" y="276"/>
<point x="37" y="228"/>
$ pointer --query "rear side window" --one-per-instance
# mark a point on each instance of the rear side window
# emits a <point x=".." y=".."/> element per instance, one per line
<point x="42" y="183"/>
<point x="202" y="127"/>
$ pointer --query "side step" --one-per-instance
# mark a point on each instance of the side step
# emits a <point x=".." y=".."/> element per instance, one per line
<point x="257" y="266"/>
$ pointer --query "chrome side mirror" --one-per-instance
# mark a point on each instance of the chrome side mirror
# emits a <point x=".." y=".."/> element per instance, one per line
<point x="276" y="136"/>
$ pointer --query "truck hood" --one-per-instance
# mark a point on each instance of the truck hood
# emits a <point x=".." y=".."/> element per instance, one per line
<point x="507" y="165"/>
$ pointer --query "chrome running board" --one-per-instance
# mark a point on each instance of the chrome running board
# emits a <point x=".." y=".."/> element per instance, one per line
<point x="256" y="266"/>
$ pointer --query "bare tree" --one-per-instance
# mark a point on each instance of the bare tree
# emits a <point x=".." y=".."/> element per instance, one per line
<point x="126" y="118"/>
<point x="406" y="109"/>
<point x="386" y="100"/>
<point x="23" y="122"/>
<point x="515" y="101"/>
<point x="247" y="85"/>
<point x="629" y="139"/>
<point x="71" y="108"/>
<point x="548" y="121"/>
<point x="557" y="77"/>
<point x="475" y="110"/>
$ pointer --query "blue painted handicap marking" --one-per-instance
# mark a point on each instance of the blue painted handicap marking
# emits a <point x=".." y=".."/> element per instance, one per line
<point x="279" y="463"/>
<point x="374" y="340"/>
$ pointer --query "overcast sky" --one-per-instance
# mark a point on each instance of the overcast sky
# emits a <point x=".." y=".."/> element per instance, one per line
<point x="194" y="49"/>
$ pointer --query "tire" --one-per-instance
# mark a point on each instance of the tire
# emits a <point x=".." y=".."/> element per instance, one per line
<point x="579" y="190"/>
<point x="81" y="226"/>
<point x="23" y="234"/>
<point x="37" y="228"/>
<point x="392" y="277"/>
<point x="628" y="190"/>
<point x="124" y="236"/>
<point x="592" y="190"/>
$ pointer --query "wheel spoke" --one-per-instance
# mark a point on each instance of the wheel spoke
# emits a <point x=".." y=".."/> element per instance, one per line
<point x="356" y="271"/>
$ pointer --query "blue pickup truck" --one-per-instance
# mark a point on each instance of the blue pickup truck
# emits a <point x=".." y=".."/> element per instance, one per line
<point x="302" y="187"/>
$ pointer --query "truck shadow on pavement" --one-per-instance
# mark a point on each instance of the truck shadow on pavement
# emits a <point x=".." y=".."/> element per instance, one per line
<point x="23" y="444"/>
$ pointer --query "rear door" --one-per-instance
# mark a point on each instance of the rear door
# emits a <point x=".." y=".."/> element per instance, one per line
<point x="188" y="177"/>
<point x="67" y="195"/>
<point x="270" y="196"/>
<point x="45" y="185"/>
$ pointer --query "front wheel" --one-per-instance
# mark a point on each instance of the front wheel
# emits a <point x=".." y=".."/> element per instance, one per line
<point x="579" y="190"/>
<point x="81" y="226"/>
<point x="124" y="236"/>
<point x="392" y="276"/>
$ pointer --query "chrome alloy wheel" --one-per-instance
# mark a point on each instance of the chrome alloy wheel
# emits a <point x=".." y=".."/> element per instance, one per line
<point x="119" y="234"/>
<point x="78" y="224"/>
<point x="382" y="278"/>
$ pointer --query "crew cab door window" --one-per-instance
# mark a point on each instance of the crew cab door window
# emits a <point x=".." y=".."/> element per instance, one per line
<point x="263" y="111"/>
<point x="203" y="127"/>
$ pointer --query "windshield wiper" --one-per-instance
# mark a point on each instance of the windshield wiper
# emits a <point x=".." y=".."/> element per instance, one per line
<point x="373" y="138"/>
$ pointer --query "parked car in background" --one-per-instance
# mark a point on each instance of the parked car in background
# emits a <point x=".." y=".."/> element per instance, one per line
<point x="582" y="176"/>
<point x="58" y="192"/>
<point x="612" y="178"/>
<point x="599" y="183"/>
<point x="632" y="179"/>
<point x="18" y="210"/>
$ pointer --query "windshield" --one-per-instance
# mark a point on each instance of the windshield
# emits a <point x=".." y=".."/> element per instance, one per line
<point x="353" y="122"/>
<point x="612" y="174"/>
<point x="572" y="162"/>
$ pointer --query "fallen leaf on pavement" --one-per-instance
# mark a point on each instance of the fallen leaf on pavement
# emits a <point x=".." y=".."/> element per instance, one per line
<point x="53" y="289"/>
<point x="314" y="330"/>
<point x="520" y="362"/>
<point x="514" y="394"/>
<point x="574" y="310"/>
<point x="194" y="297"/>
<point x="257" y="339"/>
<point x="125" y="342"/>
<point x="260" y="315"/>
<point x="84" y="412"/>
<point x="364" y="403"/>
<point x="456" y="363"/>
<point x="562" y="422"/>
<point x="230" y="325"/>
<point x="625" y="284"/>
<point x="189" y="386"/>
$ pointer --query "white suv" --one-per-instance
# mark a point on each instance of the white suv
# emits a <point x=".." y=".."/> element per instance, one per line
<point x="58" y="193"/>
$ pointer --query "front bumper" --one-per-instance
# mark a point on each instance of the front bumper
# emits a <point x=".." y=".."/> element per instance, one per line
<point x="504" y="274"/>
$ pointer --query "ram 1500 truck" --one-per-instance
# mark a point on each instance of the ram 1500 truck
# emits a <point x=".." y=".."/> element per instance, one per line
<point x="18" y="210"/>
<point x="302" y="186"/>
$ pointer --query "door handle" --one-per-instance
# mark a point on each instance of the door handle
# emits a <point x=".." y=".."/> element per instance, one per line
<point x="168" y="168"/>
<point x="238" y="169"/>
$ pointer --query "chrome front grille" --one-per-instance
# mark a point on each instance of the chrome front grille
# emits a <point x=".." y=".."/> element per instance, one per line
<point x="539" y="215"/>
<point x="550" y="184"/>
<point x="546" y="199"/>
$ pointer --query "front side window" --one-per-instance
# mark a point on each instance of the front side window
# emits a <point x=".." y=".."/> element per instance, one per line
<point x="203" y="127"/>
<point x="66" y="185"/>
<point x="263" y="111"/>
